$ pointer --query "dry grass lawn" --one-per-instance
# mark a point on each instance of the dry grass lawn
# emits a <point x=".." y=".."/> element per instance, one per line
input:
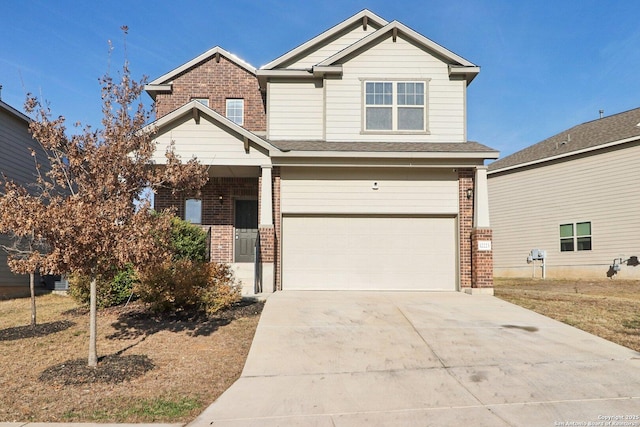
<point x="159" y="369"/>
<point x="607" y="308"/>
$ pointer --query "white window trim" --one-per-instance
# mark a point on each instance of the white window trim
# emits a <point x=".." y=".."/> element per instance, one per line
<point x="241" y="123"/>
<point x="576" y="236"/>
<point x="394" y="107"/>
<point x="185" y="211"/>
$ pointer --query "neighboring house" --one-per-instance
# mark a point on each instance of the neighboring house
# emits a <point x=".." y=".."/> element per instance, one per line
<point x="574" y="196"/>
<point x="346" y="160"/>
<point x="17" y="164"/>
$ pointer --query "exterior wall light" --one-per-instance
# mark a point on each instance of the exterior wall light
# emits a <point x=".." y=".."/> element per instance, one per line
<point x="469" y="193"/>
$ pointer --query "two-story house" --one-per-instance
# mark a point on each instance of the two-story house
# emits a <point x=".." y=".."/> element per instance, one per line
<point x="343" y="164"/>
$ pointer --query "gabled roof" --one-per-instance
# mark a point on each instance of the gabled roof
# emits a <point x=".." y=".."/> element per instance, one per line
<point x="9" y="109"/>
<point x="394" y="28"/>
<point x="597" y="134"/>
<point x="162" y="83"/>
<point x="195" y="109"/>
<point x="322" y="38"/>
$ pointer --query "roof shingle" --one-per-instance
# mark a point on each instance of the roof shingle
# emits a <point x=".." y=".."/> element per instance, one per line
<point x="610" y="129"/>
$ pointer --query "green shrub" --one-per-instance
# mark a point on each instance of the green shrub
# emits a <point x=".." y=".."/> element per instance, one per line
<point x="188" y="241"/>
<point x="109" y="292"/>
<point x="188" y="285"/>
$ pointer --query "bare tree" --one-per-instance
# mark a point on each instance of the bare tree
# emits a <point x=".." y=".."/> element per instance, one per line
<point x="88" y="208"/>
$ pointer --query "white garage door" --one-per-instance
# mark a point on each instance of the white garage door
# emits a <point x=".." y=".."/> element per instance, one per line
<point x="368" y="253"/>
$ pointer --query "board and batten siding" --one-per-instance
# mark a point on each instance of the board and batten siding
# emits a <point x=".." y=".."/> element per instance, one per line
<point x="209" y="142"/>
<point x="351" y="191"/>
<point x="335" y="45"/>
<point x="527" y="207"/>
<point x="296" y="110"/>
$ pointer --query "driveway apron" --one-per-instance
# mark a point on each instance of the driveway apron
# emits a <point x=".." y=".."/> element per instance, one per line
<point x="428" y="359"/>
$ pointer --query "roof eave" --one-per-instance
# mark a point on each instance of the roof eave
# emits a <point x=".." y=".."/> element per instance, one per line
<point x="563" y="155"/>
<point x="202" y="57"/>
<point x="408" y="32"/>
<point x="195" y="106"/>
<point x="372" y="17"/>
<point x="485" y="155"/>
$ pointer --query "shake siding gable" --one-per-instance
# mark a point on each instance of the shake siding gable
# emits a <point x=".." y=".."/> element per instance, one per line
<point x="528" y="205"/>
<point x="395" y="61"/>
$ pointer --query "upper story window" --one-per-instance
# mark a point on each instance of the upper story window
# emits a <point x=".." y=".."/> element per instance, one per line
<point x="575" y="237"/>
<point x="395" y="106"/>
<point x="235" y="110"/>
<point x="193" y="211"/>
<point x="203" y="101"/>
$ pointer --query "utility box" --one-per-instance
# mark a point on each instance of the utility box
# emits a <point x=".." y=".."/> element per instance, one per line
<point x="538" y="254"/>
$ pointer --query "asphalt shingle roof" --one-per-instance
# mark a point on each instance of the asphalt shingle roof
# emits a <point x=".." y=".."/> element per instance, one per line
<point x="418" y="147"/>
<point x="591" y="134"/>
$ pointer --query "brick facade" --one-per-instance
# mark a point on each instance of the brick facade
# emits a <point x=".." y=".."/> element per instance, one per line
<point x="465" y="224"/>
<point x="217" y="213"/>
<point x="482" y="263"/>
<point x="217" y="81"/>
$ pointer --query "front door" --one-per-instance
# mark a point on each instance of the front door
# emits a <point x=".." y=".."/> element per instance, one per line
<point x="246" y="230"/>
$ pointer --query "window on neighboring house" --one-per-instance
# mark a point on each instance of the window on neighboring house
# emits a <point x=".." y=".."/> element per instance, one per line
<point x="395" y="106"/>
<point x="235" y="110"/>
<point x="204" y="101"/>
<point x="575" y="237"/>
<point x="193" y="211"/>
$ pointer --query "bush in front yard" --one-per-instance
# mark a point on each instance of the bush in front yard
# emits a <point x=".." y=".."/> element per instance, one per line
<point x="109" y="292"/>
<point x="188" y="241"/>
<point x="188" y="285"/>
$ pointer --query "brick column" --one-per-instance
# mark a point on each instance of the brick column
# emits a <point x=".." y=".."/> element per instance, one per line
<point x="481" y="261"/>
<point x="266" y="229"/>
<point x="481" y="237"/>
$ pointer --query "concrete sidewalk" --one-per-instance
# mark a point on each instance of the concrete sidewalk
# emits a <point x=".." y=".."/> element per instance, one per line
<point x="428" y="359"/>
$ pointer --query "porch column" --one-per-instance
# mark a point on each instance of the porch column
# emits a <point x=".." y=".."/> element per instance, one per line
<point x="481" y="237"/>
<point x="267" y="231"/>
<point x="481" y="199"/>
<point x="266" y="197"/>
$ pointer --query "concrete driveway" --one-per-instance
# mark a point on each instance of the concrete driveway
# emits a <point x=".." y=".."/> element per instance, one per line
<point x="427" y="359"/>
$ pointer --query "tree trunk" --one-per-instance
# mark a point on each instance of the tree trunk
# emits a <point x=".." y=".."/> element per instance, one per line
<point x="32" y="287"/>
<point x="93" y="324"/>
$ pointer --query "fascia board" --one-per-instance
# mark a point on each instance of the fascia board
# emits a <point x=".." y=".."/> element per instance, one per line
<point x="188" y="108"/>
<point x="217" y="49"/>
<point x="564" y="155"/>
<point x="391" y="155"/>
<point x="415" y="36"/>
<point x="324" y="36"/>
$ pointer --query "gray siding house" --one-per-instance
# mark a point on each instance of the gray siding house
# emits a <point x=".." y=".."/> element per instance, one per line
<point x="16" y="163"/>
<point x="575" y="196"/>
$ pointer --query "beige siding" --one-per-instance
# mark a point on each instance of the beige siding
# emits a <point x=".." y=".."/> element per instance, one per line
<point x="335" y="190"/>
<point x="396" y="61"/>
<point x="527" y="208"/>
<point x="334" y="46"/>
<point x="296" y="111"/>
<point x="210" y="143"/>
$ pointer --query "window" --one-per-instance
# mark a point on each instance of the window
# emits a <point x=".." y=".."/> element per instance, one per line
<point x="235" y="111"/>
<point x="203" y="101"/>
<point x="395" y="106"/>
<point x="193" y="211"/>
<point x="575" y="237"/>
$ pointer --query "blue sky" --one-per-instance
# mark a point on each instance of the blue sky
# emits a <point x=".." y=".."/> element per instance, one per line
<point x="545" y="65"/>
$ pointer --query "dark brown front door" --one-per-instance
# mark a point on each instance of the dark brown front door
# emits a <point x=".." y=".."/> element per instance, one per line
<point x="246" y="230"/>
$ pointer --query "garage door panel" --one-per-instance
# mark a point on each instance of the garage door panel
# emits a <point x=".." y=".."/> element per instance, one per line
<point x="376" y="252"/>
